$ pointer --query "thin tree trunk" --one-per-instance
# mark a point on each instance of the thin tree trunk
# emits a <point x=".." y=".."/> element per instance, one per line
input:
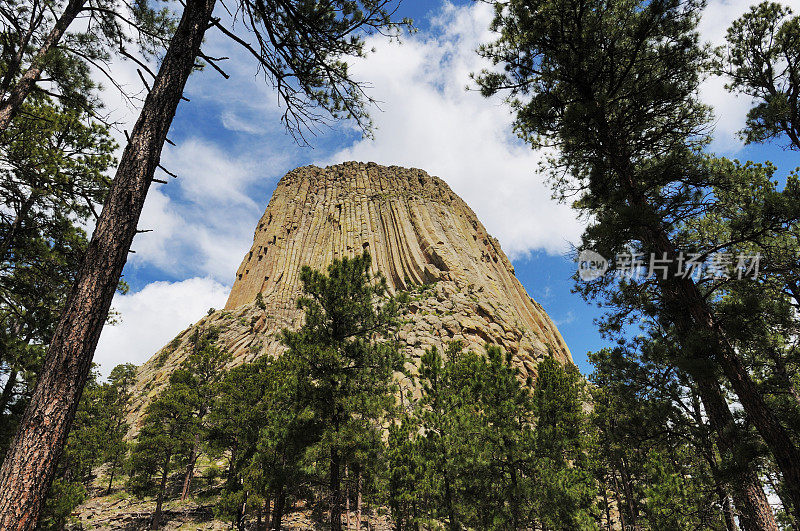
<point x="358" y="501"/>
<point x="619" y="502"/>
<point x="156" y="523"/>
<point x="727" y="510"/>
<point x="187" y="478"/>
<point x="724" y="499"/>
<point x="277" y="517"/>
<point x="448" y="498"/>
<point x="267" y="514"/>
<point x="630" y="500"/>
<point x="747" y="490"/>
<point x="11" y="105"/>
<point x="240" y="513"/>
<point x="13" y="66"/>
<point x="28" y="468"/>
<point x="606" y="504"/>
<point x="111" y="476"/>
<point x="336" y="495"/>
<point x="346" y="500"/>
<point x="515" y="496"/>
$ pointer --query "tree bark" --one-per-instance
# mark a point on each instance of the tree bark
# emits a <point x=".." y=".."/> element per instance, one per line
<point x="28" y="468"/>
<point x="10" y="106"/>
<point x="748" y="492"/>
<point x="336" y="495"/>
<point x="187" y="479"/>
<point x="346" y="500"/>
<point x="156" y="523"/>
<point x="358" y="501"/>
<point x="627" y="490"/>
<point x="620" y="512"/>
<point x="111" y="476"/>
<point x="267" y="514"/>
<point x="280" y="500"/>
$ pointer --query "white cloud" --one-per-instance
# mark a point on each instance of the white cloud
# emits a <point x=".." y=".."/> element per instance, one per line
<point x="730" y="110"/>
<point x="203" y="221"/>
<point x="428" y="120"/>
<point x="153" y="316"/>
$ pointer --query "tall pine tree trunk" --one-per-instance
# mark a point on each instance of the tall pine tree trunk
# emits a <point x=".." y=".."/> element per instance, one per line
<point x="336" y="494"/>
<point x="156" y="523"/>
<point x="187" y="478"/>
<point x="28" y="468"/>
<point x="280" y="500"/>
<point x="11" y="105"/>
<point x="691" y="314"/>
<point x="358" y="501"/>
<point x="748" y="492"/>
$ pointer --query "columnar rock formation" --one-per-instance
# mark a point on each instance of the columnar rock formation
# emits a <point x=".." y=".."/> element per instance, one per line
<point x="422" y="237"/>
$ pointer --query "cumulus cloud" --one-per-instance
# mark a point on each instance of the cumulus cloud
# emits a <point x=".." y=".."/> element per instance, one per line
<point x="151" y="317"/>
<point x="730" y="110"/>
<point x="428" y="120"/>
<point x="232" y="150"/>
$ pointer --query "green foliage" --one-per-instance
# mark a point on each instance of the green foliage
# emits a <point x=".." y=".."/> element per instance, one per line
<point x="613" y="86"/>
<point x="762" y="59"/>
<point x="654" y="452"/>
<point x="96" y="437"/>
<point x="479" y="450"/>
<point x="167" y="433"/>
<point x="52" y="174"/>
<point x="345" y="356"/>
<point x="64" y="496"/>
<point x="260" y="302"/>
<point x="260" y="425"/>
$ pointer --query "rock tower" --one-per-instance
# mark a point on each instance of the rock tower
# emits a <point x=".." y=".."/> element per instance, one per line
<point x="421" y="236"/>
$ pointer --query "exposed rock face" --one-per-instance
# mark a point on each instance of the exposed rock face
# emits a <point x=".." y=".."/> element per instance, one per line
<point x="421" y="236"/>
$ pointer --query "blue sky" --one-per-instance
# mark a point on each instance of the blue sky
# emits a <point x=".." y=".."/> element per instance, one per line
<point x="231" y="150"/>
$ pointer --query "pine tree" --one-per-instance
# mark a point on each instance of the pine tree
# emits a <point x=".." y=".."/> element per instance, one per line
<point x="564" y="488"/>
<point x="614" y="87"/>
<point x="762" y="59"/>
<point x="167" y="434"/>
<point x="52" y="172"/>
<point x="205" y="364"/>
<point x="344" y="353"/>
<point x="260" y="423"/>
<point x="658" y="466"/>
<point x="118" y="395"/>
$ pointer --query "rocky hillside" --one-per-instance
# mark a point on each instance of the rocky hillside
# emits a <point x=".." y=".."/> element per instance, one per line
<point x="422" y="238"/>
